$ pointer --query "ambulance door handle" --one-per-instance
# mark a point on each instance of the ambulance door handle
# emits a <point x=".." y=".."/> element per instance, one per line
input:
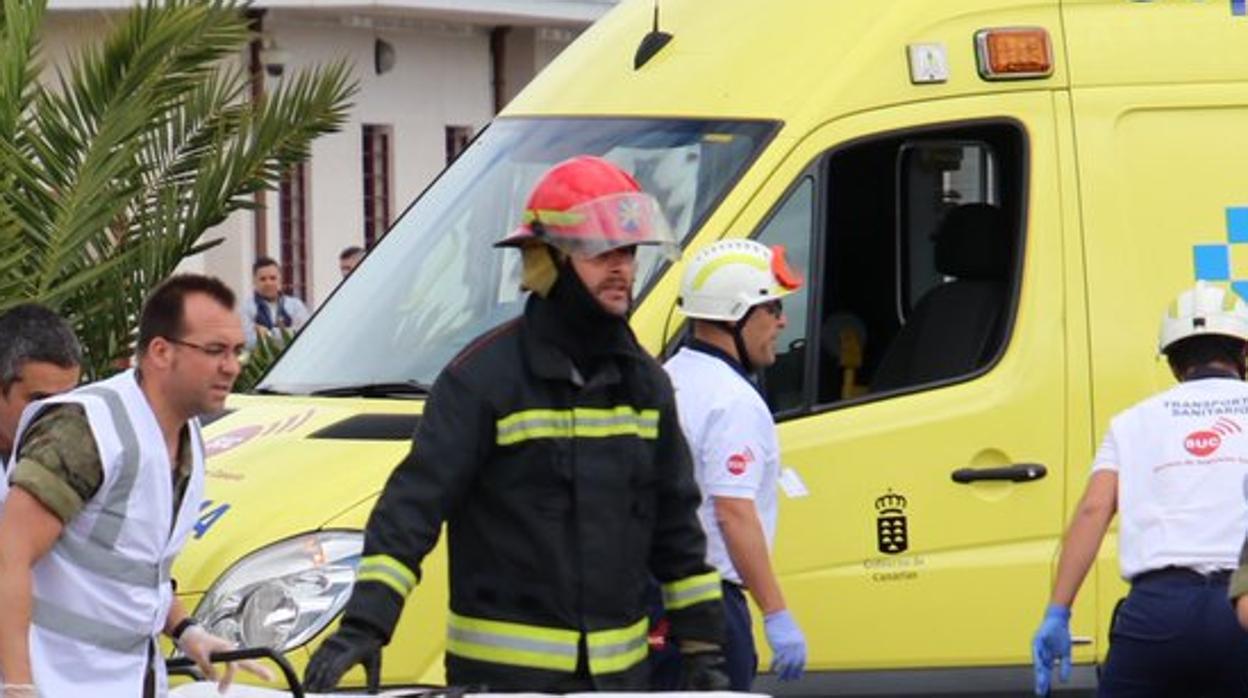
<point x="1019" y="472"/>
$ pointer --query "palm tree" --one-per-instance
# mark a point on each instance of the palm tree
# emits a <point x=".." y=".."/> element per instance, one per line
<point x="112" y="171"/>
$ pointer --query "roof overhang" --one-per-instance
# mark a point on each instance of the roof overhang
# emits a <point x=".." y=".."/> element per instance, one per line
<point x="531" y="12"/>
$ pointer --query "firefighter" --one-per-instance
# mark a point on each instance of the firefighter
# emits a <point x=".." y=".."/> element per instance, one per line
<point x="551" y="449"/>
<point x="1172" y="468"/>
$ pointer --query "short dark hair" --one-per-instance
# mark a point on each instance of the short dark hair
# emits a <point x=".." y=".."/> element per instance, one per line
<point x="350" y="252"/>
<point x="33" y="332"/>
<point x="262" y="262"/>
<point x="165" y="309"/>
<point x="1201" y="350"/>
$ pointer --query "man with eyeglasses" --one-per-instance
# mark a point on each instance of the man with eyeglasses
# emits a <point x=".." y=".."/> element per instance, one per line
<point x="731" y="292"/>
<point x="104" y="491"/>
<point x="39" y="358"/>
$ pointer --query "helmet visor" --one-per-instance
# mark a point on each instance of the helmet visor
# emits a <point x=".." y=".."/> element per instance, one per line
<point x="600" y="225"/>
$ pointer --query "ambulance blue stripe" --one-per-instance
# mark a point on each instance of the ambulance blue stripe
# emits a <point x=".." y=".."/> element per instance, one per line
<point x="1213" y="262"/>
<point x="1241" y="288"/>
<point x="1237" y="224"/>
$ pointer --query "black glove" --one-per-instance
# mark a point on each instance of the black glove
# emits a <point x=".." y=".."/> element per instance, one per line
<point x="704" y="671"/>
<point x="344" y="649"/>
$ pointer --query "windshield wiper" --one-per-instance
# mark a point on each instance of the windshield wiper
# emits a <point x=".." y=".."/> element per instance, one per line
<point x="261" y="390"/>
<point x="374" y="389"/>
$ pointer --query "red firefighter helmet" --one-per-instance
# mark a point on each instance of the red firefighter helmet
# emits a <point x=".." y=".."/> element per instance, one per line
<point x="586" y="206"/>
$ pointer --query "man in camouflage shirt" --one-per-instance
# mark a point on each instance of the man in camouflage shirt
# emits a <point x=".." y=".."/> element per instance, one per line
<point x="190" y="340"/>
<point x="39" y="357"/>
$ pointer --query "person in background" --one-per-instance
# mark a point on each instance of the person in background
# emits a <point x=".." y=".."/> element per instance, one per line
<point x="267" y="311"/>
<point x="732" y="292"/>
<point x="1172" y="467"/>
<point x="349" y="258"/>
<point x="39" y="357"/>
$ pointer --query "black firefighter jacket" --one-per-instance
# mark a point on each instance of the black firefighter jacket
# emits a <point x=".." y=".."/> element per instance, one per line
<point x="561" y="496"/>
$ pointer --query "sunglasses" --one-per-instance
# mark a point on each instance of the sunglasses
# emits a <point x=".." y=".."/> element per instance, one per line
<point x="774" y="308"/>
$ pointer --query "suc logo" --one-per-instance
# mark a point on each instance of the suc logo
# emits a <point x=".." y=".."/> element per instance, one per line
<point x="738" y="463"/>
<point x="1202" y="443"/>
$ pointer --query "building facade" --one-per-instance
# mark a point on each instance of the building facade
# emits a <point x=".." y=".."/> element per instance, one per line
<point x="431" y="74"/>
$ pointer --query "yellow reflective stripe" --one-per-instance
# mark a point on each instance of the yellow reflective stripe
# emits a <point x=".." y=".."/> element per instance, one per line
<point x="533" y="424"/>
<point x="609" y="412"/>
<point x="516" y="630"/>
<point x="740" y="258"/>
<point x="515" y="644"/>
<point x="691" y="590"/>
<point x="595" y="423"/>
<point x="618" y="649"/>
<point x="388" y="571"/>
<point x="553" y="217"/>
<point x="530" y="416"/>
<point x="580" y="422"/>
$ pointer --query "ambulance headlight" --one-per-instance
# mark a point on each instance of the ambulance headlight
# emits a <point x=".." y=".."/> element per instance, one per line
<point x="283" y="595"/>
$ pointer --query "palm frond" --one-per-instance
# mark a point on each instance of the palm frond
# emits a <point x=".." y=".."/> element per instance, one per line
<point x="111" y="173"/>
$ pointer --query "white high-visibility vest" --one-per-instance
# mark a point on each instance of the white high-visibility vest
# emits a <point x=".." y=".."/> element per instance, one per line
<point x="102" y="594"/>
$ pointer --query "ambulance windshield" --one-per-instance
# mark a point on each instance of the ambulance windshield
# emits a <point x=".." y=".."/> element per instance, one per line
<point x="434" y="282"/>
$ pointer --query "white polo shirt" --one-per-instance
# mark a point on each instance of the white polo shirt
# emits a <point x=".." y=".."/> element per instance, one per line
<point x="733" y="440"/>
<point x="1181" y="458"/>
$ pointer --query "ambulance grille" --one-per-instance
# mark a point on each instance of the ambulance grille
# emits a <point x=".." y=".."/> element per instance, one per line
<point x="371" y="427"/>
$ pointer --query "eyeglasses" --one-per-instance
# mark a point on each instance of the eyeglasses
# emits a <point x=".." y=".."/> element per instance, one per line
<point x="214" y="351"/>
<point x="774" y="308"/>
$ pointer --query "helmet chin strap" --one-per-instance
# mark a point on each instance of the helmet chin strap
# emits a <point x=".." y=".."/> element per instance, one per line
<point x="738" y="341"/>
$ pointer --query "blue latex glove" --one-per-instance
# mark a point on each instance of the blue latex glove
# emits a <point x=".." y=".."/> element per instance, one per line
<point x="1050" y="644"/>
<point x="788" y="645"/>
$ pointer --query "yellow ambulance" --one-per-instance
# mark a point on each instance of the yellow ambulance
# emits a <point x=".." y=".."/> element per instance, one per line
<point x="992" y="200"/>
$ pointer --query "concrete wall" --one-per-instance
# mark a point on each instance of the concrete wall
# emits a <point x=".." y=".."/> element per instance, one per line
<point x="440" y="78"/>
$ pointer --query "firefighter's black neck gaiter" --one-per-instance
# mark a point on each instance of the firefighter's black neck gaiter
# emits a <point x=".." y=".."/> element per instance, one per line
<point x="573" y="320"/>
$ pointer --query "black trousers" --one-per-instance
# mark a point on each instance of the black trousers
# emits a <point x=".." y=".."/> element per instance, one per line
<point x="739" y="648"/>
<point x="1176" y="635"/>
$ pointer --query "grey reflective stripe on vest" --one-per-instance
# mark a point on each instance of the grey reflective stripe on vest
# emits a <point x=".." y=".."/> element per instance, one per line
<point x="107" y="563"/>
<point x="62" y="621"/>
<point x="108" y="527"/>
<point x="97" y="554"/>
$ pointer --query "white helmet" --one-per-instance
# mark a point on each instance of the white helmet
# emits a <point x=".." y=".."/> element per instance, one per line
<point x="725" y="279"/>
<point x="1206" y="309"/>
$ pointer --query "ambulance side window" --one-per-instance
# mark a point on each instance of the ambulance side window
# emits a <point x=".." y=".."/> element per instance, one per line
<point x="914" y="270"/>
<point x="790" y="225"/>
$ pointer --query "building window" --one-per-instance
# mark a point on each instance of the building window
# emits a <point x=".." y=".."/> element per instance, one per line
<point x="293" y="230"/>
<point x="378" y="141"/>
<point x="457" y="138"/>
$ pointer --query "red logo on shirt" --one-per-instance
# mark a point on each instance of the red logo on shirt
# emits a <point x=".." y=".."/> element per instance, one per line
<point x="1202" y="443"/>
<point x="738" y="463"/>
